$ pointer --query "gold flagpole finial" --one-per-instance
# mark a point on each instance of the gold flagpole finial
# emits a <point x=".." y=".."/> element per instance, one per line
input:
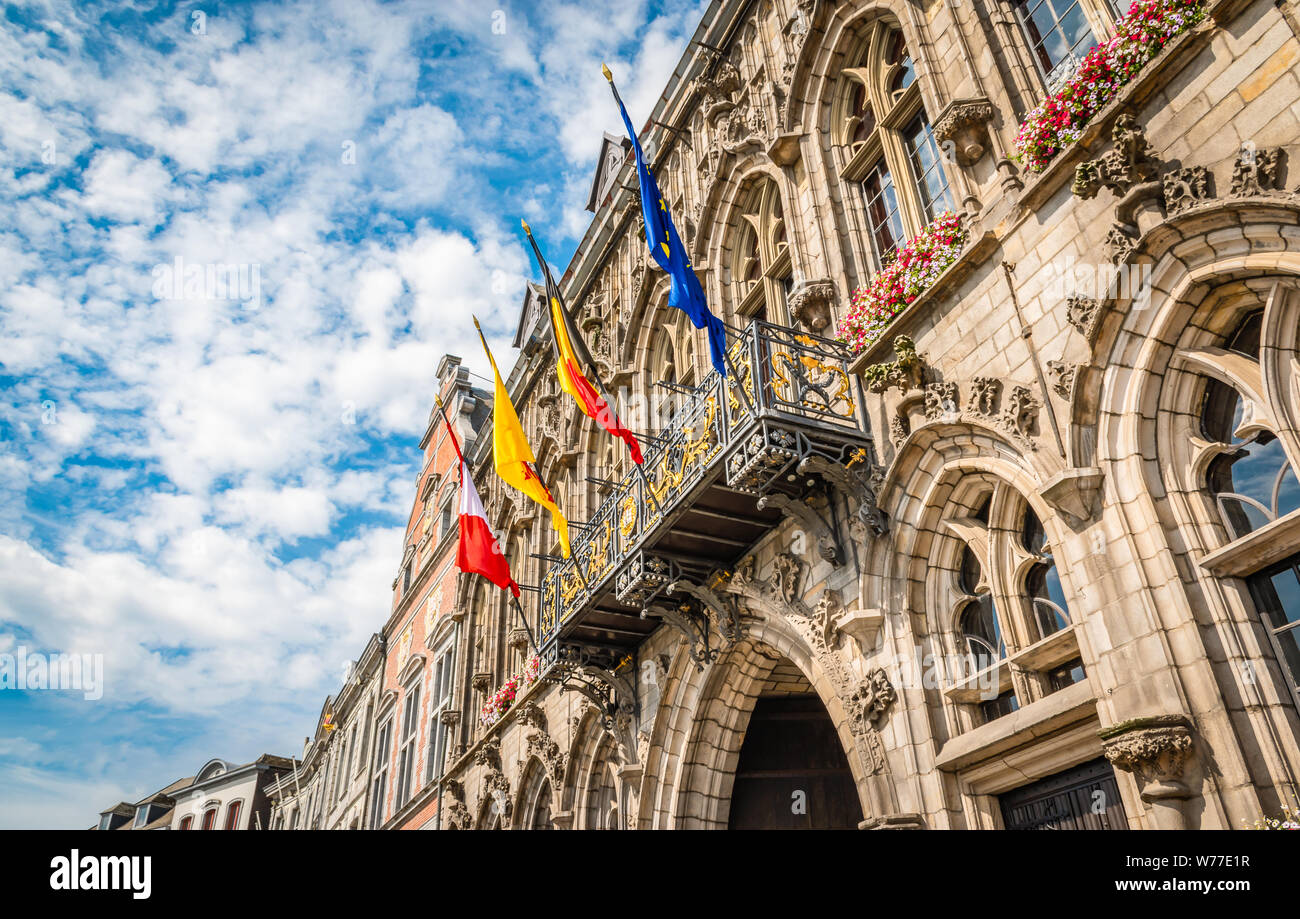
<point x="476" y="325"/>
<point x="438" y="401"/>
<point x="605" y="70"/>
<point x="527" y="229"/>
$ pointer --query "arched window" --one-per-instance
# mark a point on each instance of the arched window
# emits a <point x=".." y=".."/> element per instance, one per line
<point x="1012" y="634"/>
<point x="888" y="145"/>
<point x="1043" y="590"/>
<point x="535" y="799"/>
<point x="761" y="269"/>
<point x="233" y="810"/>
<point x="1246" y="448"/>
<point x="209" y="818"/>
<point x="541" y="819"/>
<point x="187" y="823"/>
<point x="1251" y="479"/>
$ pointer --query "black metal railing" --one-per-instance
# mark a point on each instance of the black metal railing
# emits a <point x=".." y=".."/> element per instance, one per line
<point x="776" y="374"/>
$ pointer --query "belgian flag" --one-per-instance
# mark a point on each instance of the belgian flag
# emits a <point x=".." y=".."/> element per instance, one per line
<point x="571" y="356"/>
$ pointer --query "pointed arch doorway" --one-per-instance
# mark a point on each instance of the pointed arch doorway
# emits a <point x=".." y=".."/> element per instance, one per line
<point x="792" y="772"/>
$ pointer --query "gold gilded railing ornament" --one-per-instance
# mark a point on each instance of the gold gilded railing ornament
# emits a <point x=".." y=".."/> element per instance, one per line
<point x="814" y="377"/>
<point x="548" y="603"/>
<point x="598" y="551"/>
<point x="627" y="515"/>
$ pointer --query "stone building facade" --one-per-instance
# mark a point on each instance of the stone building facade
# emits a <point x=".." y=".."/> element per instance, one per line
<point x="1029" y="559"/>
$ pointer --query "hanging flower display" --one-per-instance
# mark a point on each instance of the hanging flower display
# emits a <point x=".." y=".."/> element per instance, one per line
<point x="913" y="269"/>
<point x="505" y="696"/>
<point x="1140" y="35"/>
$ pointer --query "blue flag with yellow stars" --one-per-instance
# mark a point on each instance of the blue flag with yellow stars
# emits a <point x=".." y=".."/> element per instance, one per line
<point x="667" y="250"/>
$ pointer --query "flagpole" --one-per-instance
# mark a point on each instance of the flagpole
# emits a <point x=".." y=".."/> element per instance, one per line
<point x="726" y="357"/>
<point x="552" y="286"/>
<point x="520" y="610"/>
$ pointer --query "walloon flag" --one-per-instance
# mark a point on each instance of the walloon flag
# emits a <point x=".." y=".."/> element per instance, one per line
<point x="477" y="551"/>
<point x="572" y="356"/>
<point x="684" y="292"/>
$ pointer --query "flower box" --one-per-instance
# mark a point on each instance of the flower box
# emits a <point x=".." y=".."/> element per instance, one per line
<point x="915" y="268"/>
<point x="1140" y="35"/>
<point x="508" y="692"/>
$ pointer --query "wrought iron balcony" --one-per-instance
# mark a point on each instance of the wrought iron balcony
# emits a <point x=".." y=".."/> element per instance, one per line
<point x="725" y="471"/>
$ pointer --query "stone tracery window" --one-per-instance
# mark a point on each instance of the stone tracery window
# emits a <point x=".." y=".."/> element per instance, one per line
<point x="1245" y="456"/>
<point x="889" y="148"/>
<point x="1251" y="480"/>
<point x="761" y="267"/>
<point x="1012" y="638"/>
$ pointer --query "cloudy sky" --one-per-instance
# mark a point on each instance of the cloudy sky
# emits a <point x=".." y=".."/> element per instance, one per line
<point x="206" y="486"/>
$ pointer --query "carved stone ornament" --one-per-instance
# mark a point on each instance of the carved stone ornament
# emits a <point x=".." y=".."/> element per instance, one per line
<point x="899" y="429"/>
<point x="1063" y="376"/>
<point x="1131" y="161"/>
<point x="458" y="816"/>
<point x="1129" y="170"/>
<point x="1155" y="750"/>
<point x="940" y="400"/>
<point x="810" y="303"/>
<point x="964" y="126"/>
<point x="825" y="613"/>
<point x="870" y="701"/>
<point x="1186" y="187"/>
<point x="786" y="571"/>
<point x="984" y="395"/>
<point x="905" y="372"/>
<point x="1082" y="313"/>
<point x="1019" y="414"/>
<point x="1255" y="171"/>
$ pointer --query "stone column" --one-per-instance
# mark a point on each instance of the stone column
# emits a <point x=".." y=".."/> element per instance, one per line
<point x="1154" y="750"/>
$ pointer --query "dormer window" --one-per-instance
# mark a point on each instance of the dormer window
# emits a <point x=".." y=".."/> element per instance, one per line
<point x="142" y="815"/>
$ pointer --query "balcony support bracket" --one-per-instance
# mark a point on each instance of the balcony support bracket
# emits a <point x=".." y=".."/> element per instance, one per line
<point x="828" y="544"/>
<point x="723" y="610"/>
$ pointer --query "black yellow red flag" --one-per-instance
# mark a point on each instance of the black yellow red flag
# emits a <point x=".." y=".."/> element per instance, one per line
<point x="572" y="357"/>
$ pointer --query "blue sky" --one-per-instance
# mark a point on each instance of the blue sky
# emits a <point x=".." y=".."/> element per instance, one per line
<point x="207" y="486"/>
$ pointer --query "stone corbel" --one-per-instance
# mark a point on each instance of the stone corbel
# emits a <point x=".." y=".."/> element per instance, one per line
<point x="828" y="545"/>
<point x="810" y="303"/>
<point x="1155" y="750"/>
<point x="863" y="626"/>
<point x="563" y="820"/>
<point x="784" y="148"/>
<point x="482" y="681"/>
<point x="962" y="128"/>
<point x="518" y="640"/>
<point x="1074" y="493"/>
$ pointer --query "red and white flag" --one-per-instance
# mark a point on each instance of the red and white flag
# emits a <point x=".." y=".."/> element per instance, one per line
<point x="478" y="551"/>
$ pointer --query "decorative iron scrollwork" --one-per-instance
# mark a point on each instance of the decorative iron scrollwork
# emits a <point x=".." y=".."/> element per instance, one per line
<point x="601" y="678"/>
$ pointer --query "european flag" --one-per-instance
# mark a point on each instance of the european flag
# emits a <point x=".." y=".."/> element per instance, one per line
<point x="669" y="254"/>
